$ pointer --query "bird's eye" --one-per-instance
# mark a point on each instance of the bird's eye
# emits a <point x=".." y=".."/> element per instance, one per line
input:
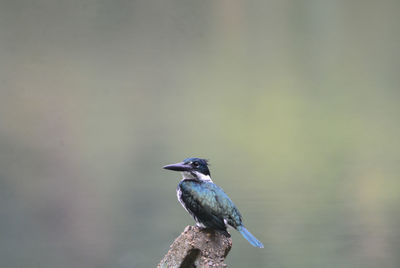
<point x="196" y="164"/>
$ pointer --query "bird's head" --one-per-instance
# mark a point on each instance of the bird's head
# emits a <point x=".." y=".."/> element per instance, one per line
<point x="192" y="168"/>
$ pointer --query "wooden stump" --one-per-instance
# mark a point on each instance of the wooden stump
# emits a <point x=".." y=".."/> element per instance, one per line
<point x="197" y="247"/>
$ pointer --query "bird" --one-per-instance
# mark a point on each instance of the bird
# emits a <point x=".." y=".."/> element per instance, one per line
<point x="206" y="202"/>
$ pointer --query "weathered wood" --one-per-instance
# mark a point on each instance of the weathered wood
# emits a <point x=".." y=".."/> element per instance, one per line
<point x="197" y="247"/>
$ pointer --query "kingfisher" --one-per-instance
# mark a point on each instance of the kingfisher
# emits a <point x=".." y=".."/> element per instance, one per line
<point x="208" y="204"/>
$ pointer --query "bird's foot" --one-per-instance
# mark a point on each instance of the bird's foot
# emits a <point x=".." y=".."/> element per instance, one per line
<point x="225" y="232"/>
<point x="211" y="232"/>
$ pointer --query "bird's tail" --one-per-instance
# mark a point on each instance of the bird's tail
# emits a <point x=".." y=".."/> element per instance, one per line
<point x="249" y="237"/>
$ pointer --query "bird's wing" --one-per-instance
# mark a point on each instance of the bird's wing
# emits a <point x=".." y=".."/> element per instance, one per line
<point x="209" y="204"/>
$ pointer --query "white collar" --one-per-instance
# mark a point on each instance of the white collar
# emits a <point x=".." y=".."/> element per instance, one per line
<point x="195" y="175"/>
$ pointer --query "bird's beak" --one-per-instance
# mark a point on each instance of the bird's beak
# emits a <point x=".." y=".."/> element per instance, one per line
<point x="178" y="167"/>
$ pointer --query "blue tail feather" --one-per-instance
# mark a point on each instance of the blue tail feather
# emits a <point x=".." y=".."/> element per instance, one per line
<point x="249" y="237"/>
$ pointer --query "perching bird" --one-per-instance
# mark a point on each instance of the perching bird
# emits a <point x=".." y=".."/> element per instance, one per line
<point x="209" y="205"/>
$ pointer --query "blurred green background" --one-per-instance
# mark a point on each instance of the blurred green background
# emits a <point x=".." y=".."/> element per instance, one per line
<point x="295" y="103"/>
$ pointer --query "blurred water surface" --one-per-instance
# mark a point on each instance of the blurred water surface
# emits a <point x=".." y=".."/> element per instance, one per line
<point x="295" y="103"/>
